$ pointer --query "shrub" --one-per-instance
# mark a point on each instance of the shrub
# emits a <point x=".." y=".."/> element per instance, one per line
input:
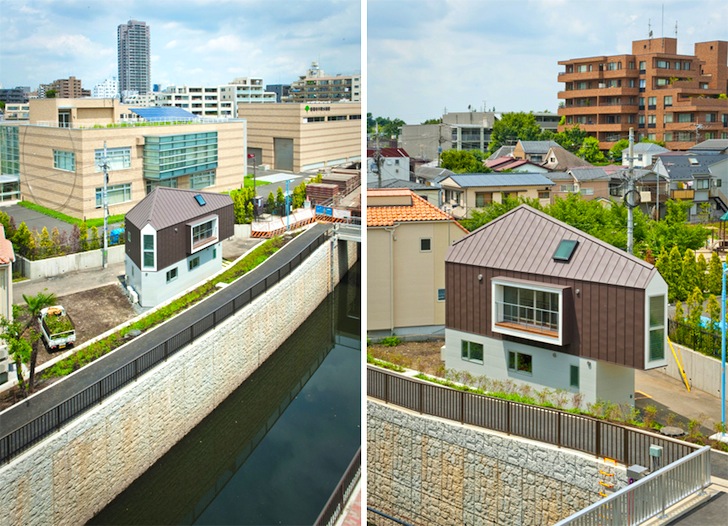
<point x="391" y="341"/>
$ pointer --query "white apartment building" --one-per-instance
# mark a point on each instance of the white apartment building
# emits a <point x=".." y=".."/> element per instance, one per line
<point x="246" y="90"/>
<point x="108" y="89"/>
<point x="316" y="86"/>
<point x="198" y="100"/>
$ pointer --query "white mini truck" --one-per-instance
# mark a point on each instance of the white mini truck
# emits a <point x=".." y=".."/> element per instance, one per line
<point x="56" y="327"/>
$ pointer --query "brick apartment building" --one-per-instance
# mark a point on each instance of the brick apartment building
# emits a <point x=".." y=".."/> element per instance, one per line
<point x="664" y="96"/>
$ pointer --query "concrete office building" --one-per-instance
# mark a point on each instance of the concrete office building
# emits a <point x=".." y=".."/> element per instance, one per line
<point x="303" y="137"/>
<point x="134" y="57"/>
<point x="54" y="160"/>
<point x="663" y="95"/>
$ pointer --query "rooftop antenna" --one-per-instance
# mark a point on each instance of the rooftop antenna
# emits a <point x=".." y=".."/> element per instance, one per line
<point x="649" y="27"/>
<point x="675" y="28"/>
<point x="662" y="23"/>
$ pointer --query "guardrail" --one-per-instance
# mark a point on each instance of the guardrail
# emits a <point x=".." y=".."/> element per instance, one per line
<point x="649" y="496"/>
<point x="341" y="495"/>
<point x="24" y="437"/>
<point x="563" y="429"/>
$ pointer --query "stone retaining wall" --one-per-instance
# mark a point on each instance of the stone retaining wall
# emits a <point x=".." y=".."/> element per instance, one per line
<point x="70" y="476"/>
<point x="424" y="470"/>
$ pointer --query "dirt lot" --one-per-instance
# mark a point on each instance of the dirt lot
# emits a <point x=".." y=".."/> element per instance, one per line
<point x="420" y="356"/>
<point x="93" y="312"/>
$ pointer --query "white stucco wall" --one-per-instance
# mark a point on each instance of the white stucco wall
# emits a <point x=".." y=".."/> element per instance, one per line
<point x="153" y="288"/>
<point x="597" y="380"/>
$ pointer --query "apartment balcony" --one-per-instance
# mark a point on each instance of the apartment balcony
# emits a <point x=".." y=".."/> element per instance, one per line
<point x="685" y="195"/>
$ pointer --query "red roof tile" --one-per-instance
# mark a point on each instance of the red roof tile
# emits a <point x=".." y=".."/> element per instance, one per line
<point x="417" y="209"/>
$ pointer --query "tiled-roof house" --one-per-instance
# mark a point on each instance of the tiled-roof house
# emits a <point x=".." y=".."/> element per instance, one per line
<point x="407" y="239"/>
<point x="560" y="159"/>
<point x="534" y="151"/>
<point x="7" y="256"/>
<point x="463" y="192"/>
<point x="644" y="154"/>
<point x="539" y="302"/>
<point x="174" y="241"/>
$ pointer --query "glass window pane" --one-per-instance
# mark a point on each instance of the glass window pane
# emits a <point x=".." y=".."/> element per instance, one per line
<point x="657" y="311"/>
<point x="476" y="351"/>
<point x="148" y="242"/>
<point x="657" y="344"/>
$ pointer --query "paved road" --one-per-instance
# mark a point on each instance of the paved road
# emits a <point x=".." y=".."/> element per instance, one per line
<point x="35" y="220"/>
<point x="43" y="401"/>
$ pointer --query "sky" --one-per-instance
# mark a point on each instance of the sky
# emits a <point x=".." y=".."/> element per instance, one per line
<point x="193" y="42"/>
<point x="425" y="57"/>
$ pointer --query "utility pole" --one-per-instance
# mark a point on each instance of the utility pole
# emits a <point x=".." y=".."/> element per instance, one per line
<point x="105" y="202"/>
<point x="630" y="195"/>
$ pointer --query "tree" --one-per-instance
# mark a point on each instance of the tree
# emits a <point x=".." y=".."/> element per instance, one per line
<point x="479" y="217"/>
<point x="462" y="161"/>
<point x="19" y="347"/>
<point x="513" y="127"/>
<point x="615" y="152"/>
<point x="702" y="273"/>
<point x="714" y="278"/>
<point x="590" y="151"/>
<point x="674" y="230"/>
<point x="690" y="277"/>
<point x="51" y="94"/>
<point x="280" y="201"/>
<point x="24" y="242"/>
<point x="571" y="138"/>
<point x="433" y="121"/>
<point x="33" y="306"/>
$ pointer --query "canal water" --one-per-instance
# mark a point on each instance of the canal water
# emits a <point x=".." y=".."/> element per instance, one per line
<point x="274" y="450"/>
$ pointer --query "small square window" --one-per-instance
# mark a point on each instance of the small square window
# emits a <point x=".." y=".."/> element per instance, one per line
<point x="574" y="376"/>
<point x="471" y="351"/>
<point x="194" y="263"/>
<point x="172" y="274"/>
<point x="440" y="294"/>
<point x="425" y="244"/>
<point x="520" y="362"/>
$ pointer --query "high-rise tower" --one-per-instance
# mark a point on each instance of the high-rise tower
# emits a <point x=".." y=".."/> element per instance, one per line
<point x="133" y="45"/>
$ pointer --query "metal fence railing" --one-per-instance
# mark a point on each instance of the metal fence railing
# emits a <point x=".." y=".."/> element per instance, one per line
<point x="649" y="496"/>
<point x="702" y="340"/>
<point x="24" y="437"/>
<point x="560" y="428"/>
<point x="335" y="506"/>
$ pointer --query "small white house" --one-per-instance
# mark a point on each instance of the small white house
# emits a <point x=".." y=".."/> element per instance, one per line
<point x="174" y="241"/>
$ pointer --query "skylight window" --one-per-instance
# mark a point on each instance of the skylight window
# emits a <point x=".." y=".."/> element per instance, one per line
<point x="565" y="250"/>
<point x="200" y="200"/>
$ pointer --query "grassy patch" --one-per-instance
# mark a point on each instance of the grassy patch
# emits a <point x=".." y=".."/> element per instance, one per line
<point x="248" y="181"/>
<point x="97" y="349"/>
<point x="386" y="365"/>
<point x="68" y="219"/>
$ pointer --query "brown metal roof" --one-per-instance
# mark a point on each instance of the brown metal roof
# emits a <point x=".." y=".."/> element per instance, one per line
<point x="524" y="240"/>
<point x="165" y="207"/>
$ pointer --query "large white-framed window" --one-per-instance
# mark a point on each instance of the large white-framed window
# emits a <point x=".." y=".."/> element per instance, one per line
<point x="117" y="193"/>
<point x="529" y="310"/>
<point x="116" y="159"/>
<point x="203" y="233"/>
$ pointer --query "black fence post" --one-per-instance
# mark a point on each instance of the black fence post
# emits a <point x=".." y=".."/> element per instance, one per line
<point x="598" y="438"/>
<point x="558" y="428"/>
<point x="625" y="445"/>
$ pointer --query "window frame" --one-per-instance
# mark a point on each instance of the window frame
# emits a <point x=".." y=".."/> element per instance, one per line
<point x="514" y="361"/>
<point x="425" y="241"/>
<point x="149" y="251"/>
<point x="466" y="345"/>
<point x="558" y="336"/>
<point x="660" y="327"/>
<point x="64" y="158"/>
<point x="203" y="242"/>
<point x="170" y="277"/>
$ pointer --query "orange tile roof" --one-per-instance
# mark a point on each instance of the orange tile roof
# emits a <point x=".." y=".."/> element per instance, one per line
<point x="419" y="210"/>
